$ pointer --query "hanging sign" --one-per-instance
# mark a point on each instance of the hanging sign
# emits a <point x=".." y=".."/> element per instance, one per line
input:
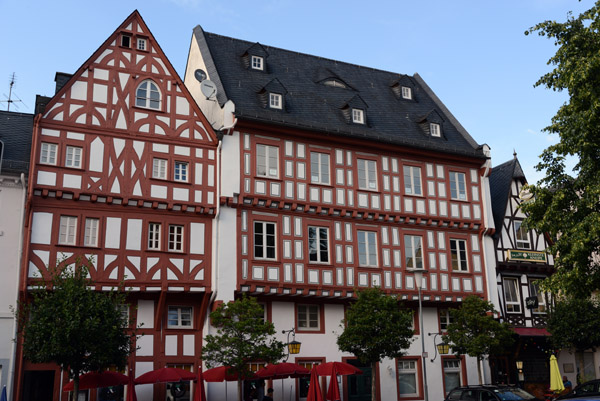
<point x="526" y="256"/>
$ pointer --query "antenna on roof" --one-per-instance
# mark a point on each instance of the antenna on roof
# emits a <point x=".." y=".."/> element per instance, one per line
<point x="9" y="98"/>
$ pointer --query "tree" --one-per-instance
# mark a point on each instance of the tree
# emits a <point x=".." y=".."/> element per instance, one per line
<point x="566" y="207"/>
<point x="376" y="327"/>
<point x="69" y="323"/>
<point x="243" y="335"/>
<point x="474" y="331"/>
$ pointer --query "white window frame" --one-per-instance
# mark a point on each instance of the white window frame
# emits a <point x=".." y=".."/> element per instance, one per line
<point x="412" y="181"/>
<point x="181" y="171"/>
<point x="406" y="92"/>
<point x="176" y="236"/>
<point x="458" y="186"/>
<point x="512" y="306"/>
<point x="266" y="238"/>
<point x="265" y="159"/>
<point x="451" y="366"/>
<point x="148" y="96"/>
<point x="318" y="236"/>
<point x="458" y="255"/>
<point x="48" y="153"/>
<point x="257" y="63"/>
<point x="304" y="316"/>
<point x="435" y="130"/>
<point x="368" y="241"/>
<point x="408" y="367"/>
<point x="319" y="168"/>
<point x="182" y="323"/>
<point x="91" y="231"/>
<point x="159" y="168"/>
<point x="154" y="236"/>
<point x="413" y="245"/>
<point x="67" y="233"/>
<point x="142" y="44"/>
<point x="73" y="156"/>
<point x="358" y="116"/>
<point x="367" y="174"/>
<point x="520" y="232"/>
<point x="275" y="100"/>
<point x="534" y="291"/>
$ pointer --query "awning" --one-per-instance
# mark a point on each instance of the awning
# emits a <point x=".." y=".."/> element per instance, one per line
<point x="531" y="331"/>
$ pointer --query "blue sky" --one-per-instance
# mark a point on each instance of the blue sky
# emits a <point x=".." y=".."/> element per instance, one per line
<point x="472" y="53"/>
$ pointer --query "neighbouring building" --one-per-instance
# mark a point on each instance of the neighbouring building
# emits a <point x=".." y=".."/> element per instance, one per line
<point x="15" y="146"/>
<point x="337" y="177"/>
<point x="123" y="173"/>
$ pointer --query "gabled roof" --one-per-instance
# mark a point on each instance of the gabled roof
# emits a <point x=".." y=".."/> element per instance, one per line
<point x="312" y="105"/>
<point x="16" y="130"/>
<point x="501" y="179"/>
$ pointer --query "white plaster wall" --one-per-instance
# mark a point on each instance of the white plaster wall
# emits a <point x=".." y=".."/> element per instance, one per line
<point x="224" y="278"/>
<point x="230" y="165"/>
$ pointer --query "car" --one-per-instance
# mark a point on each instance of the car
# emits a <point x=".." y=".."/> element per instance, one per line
<point x="587" y="389"/>
<point x="489" y="392"/>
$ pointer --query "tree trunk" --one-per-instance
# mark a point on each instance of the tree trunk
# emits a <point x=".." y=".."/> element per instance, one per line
<point x="479" y="370"/>
<point x="374" y="381"/>
<point x="239" y="388"/>
<point x="75" y="388"/>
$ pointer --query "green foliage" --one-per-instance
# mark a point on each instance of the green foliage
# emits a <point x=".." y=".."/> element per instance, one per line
<point x="573" y="323"/>
<point x="69" y="323"/>
<point x="243" y="336"/>
<point x="568" y="208"/>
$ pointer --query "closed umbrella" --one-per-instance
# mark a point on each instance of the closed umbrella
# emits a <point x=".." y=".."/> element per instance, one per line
<point x="3" y="397"/>
<point x="97" y="380"/>
<point x="314" y="389"/>
<point x="556" y="383"/>
<point x="333" y="393"/>
<point x="199" y="394"/>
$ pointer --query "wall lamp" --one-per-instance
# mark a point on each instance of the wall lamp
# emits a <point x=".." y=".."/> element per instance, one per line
<point x="293" y="347"/>
<point x="441" y="348"/>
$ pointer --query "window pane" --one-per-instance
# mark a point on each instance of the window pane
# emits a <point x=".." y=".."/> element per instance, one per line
<point x="407" y="383"/>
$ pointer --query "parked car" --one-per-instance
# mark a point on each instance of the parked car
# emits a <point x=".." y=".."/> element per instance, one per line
<point x="489" y="393"/>
<point x="587" y="389"/>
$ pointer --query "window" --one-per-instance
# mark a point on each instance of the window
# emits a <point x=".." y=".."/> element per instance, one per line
<point x="318" y="244"/>
<point x="458" y="189"/>
<point x="522" y="236"/>
<point x="175" y="238"/>
<point x="367" y="174"/>
<point x="367" y="248"/>
<point x="125" y="40"/>
<point x="334" y="83"/>
<point x="264" y="240"/>
<point x="458" y="253"/>
<point x="408" y="381"/>
<point x="67" y="234"/>
<point x="319" y="168"/>
<point x="535" y="291"/>
<point x="141" y="44"/>
<point x="308" y="317"/>
<point x="435" y="130"/>
<point x="451" y="374"/>
<point x="73" y="157"/>
<point x="159" y="169"/>
<point x="181" y="388"/>
<point x="48" y="153"/>
<point x="257" y="63"/>
<point x="267" y="163"/>
<point x="147" y="95"/>
<point x="179" y="317"/>
<point x="406" y="92"/>
<point x="445" y="319"/>
<point x="275" y="101"/>
<point x="91" y="232"/>
<point x="154" y="236"/>
<point x="181" y="172"/>
<point x="511" y="295"/>
<point x="413" y="252"/>
<point x="358" y="116"/>
<point x="124" y="311"/>
<point x="412" y="180"/>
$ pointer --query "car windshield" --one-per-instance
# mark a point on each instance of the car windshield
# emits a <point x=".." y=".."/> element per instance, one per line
<point x="513" y="394"/>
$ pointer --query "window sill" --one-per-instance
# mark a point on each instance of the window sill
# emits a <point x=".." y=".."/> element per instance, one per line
<point x="159" y="110"/>
<point x="265" y="177"/>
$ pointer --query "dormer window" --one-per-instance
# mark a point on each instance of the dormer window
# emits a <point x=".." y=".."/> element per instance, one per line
<point x="435" y="130"/>
<point x="358" y="116"/>
<point x="125" y="40"/>
<point x="336" y="83"/>
<point x="141" y="44"/>
<point x="406" y="92"/>
<point x="257" y="63"/>
<point x="275" y="101"/>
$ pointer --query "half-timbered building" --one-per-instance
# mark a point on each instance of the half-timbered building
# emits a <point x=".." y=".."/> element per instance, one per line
<point x="124" y="174"/>
<point x="338" y="177"/>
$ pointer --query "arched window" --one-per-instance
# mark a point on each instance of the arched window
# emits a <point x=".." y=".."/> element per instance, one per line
<point x="148" y="95"/>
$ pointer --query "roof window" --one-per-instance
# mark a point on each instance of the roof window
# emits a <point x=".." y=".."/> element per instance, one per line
<point x="406" y="92"/>
<point x="336" y="83"/>
<point x="257" y="63"/>
<point x="275" y="101"/>
<point x="435" y="130"/>
<point x="358" y="116"/>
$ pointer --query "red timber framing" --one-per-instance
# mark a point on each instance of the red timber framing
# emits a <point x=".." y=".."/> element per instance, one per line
<point x="124" y="173"/>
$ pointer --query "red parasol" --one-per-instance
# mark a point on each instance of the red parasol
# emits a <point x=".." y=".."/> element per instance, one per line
<point x="314" y="388"/>
<point x="199" y="393"/>
<point x="222" y="373"/>
<point x="131" y="387"/>
<point x="97" y="379"/>
<point x="340" y="368"/>
<point x="282" y="371"/>
<point x="165" y="375"/>
<point x="333" y="393"/>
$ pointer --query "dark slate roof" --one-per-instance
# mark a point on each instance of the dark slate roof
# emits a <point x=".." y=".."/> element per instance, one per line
<point x="16" y="130"/>
<point x="311" y="105"/>
<point x="501" y="179"/>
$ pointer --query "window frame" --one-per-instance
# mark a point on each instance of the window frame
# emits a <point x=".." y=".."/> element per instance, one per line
<point x="320" y="322"/>
<point x="71" y="223"/>
<point x="96" y="231"/>
<point x="318" y="251"/>
<point x="275" y="101"/>
<point x="267" y="161"/>
<point x="141" y="44"/>
<point x="152" y="236"/>
<point x="46" y="153"/>
<point x="259" y="65"/>
<point x="178" y="241"/>
<point x="179" y="324"/>
<point x="519" y="232"/>
<point x="460" y="370"/>
<point x="409" y="240"/>
<point x="454" y="179"/>
<point x="435" y="130"/>
<point x="323" y="167"/>
<point x="456" y="255"/>
<point x="444" y="319"/>
<point x="122" y="41"/>
<point x="517" y="303"/>
<point x="418" y="374"/>
<point x="265" y="237"/>
<point x="358" y="116"/>
<point x="146" y="97"/>
<point x="76" y="156"/>
<point x="409" y="185"/>
<point x="156" y="171"/>
<point x="406" y="93"/>
<point x="186" y="173"/>
<point x="363" y="236"/>
<point x="368" y="179"/>
<point x="541" y="296"/>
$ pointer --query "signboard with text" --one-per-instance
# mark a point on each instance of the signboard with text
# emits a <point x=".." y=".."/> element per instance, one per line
<point x="527" y="256"/>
